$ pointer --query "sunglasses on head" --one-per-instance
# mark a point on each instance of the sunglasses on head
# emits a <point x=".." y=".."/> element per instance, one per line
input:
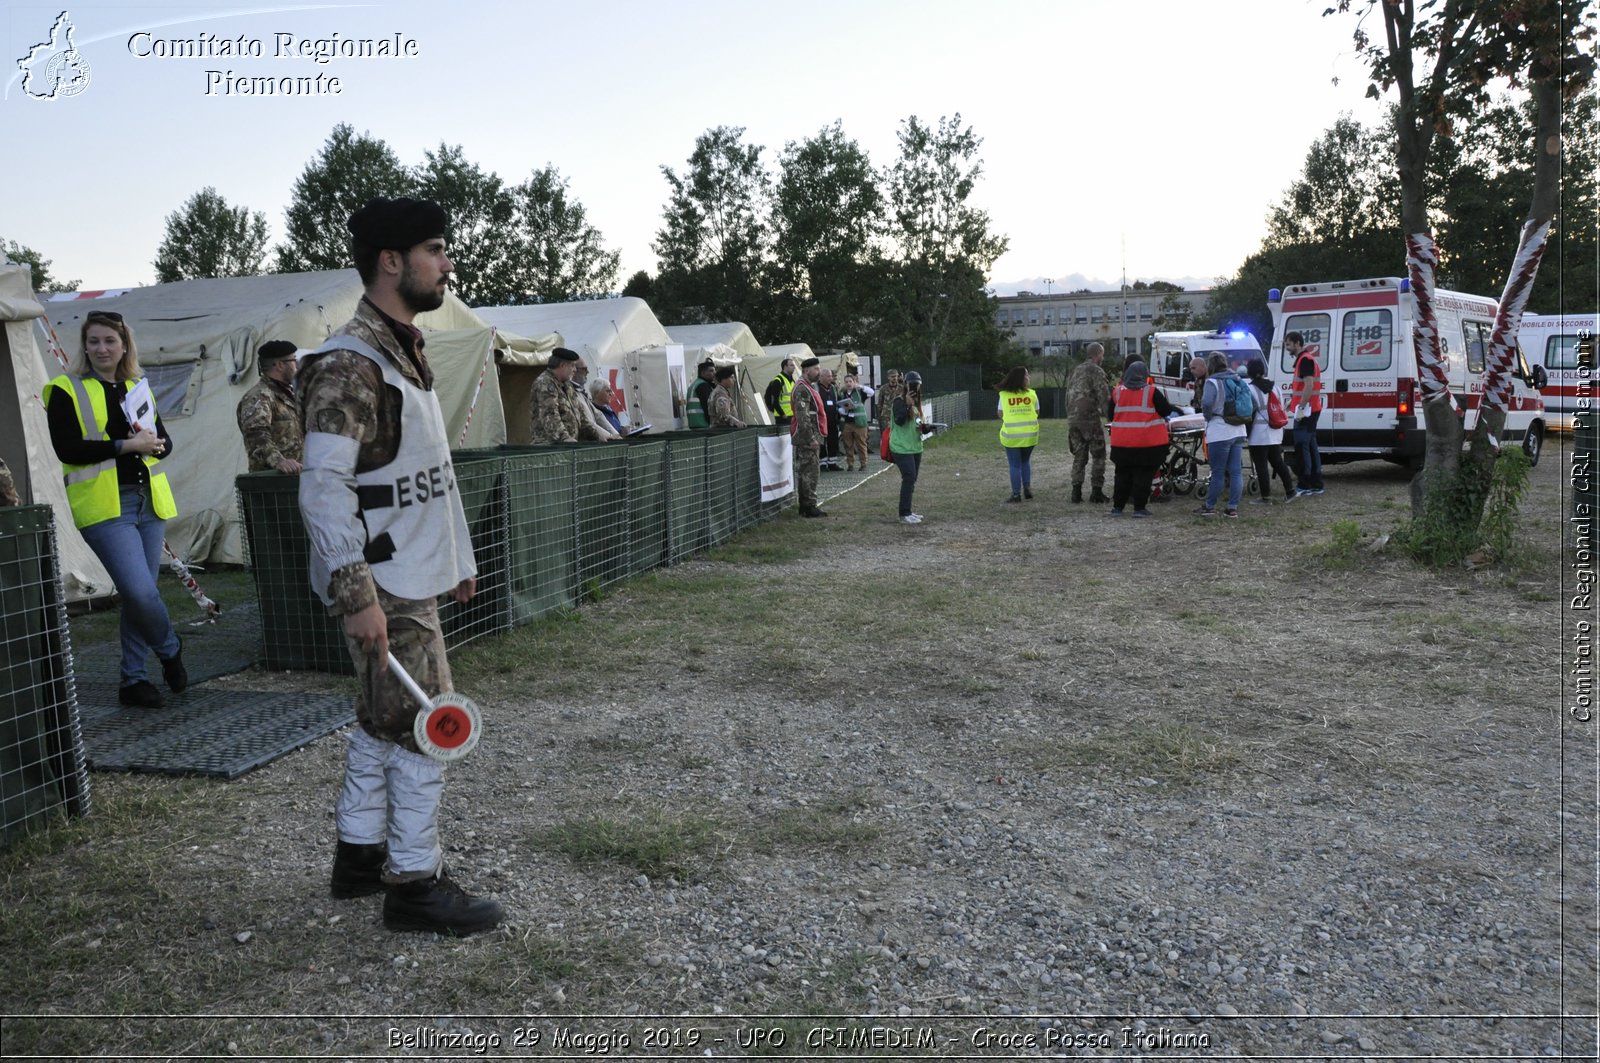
<point x="104" y="315"/>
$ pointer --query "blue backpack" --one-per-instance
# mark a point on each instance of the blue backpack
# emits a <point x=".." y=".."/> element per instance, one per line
<point x="1237" y="405"/>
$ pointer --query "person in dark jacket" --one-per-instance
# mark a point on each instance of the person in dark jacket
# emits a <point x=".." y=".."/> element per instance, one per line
<point x="1139" y="438"/>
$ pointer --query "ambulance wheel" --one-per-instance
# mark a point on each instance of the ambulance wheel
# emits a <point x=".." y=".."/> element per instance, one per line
<point x="1532" y="444"/>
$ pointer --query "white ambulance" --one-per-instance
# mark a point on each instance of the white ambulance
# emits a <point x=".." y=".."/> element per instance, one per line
<point x="1564" y="347"/>
<point x="1360" y="333"/>
<point x="1170" y="353"/>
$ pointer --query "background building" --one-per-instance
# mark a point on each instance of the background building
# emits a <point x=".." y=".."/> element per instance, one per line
<point x="1064" y="323"/>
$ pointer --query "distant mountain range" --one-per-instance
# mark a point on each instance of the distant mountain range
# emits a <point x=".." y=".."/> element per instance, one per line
<point x="1073" y="282"/>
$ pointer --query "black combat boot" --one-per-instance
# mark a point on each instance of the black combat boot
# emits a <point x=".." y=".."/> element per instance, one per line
<point x="357" y="870"/>
<point x="1077" y="492"/>
<point x="1098" y="496"/>
<point x="439" y="906"/>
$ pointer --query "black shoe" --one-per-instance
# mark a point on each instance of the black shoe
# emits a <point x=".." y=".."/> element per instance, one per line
<point x="1099" y="496"/>
<point x="357" y="870"/>
<point x="1014" y="498"/>
<point x="1077" y="492"/>
<point x="438" y="905"/>
<point x="1027" y="492"/>
<point x="173" y="671"/>
<point x="142" y="695"/>
<point x="812" y="512"/>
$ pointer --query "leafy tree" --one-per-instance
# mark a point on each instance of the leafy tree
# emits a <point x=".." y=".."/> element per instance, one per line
<point x="349" y="170"/>
<point x="941" y="246"/>
<point x="712" y="242"/>
<point x="559" y="256"/>
<point x="481" y="210"/>
<point x="827" y="212"/>
<point x="1173" y="315"/>
<point x="1154" y="286"/>
<point x="38" y="265"/>
<point x="1465" y="45"/>
<point x="207" y="238"/>
<point x="640" y="286"/>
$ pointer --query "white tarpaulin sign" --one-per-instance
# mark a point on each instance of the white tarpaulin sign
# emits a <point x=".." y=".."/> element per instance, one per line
<point x="777" y="468"/>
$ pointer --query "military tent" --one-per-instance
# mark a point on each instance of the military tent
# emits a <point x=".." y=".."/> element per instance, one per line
<point x="25" y="442"/>
<point x="197" y="343"/>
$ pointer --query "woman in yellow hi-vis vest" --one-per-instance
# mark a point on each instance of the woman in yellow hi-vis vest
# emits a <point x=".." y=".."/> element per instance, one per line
<point x="120" y="498"/>
<point x="1019" y="430"/>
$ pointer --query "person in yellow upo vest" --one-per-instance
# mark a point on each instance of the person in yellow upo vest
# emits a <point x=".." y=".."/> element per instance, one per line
<point x="120" y="498"/>
<point x="1019" y="430"/>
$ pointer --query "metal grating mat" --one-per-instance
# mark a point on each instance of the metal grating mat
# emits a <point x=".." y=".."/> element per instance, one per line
<point x="221" y="733"/>
<point x="209" y="651"/>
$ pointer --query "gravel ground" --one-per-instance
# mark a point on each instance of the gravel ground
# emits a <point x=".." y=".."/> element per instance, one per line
<point x="1172" y="788"/>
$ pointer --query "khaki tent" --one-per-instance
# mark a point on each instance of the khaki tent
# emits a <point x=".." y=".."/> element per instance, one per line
<point x="197" y="341"/>
<point x="622" y="341"/>
<point x="25" y="440"/>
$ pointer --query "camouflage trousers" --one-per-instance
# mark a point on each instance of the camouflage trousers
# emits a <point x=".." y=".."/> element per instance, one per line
<point x="1087" y="439"/>
<point x="807" y="470"/>
<point x="383" y="707"/>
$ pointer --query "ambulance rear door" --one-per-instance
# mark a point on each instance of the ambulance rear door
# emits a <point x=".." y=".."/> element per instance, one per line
<point x="1364" y="383"/>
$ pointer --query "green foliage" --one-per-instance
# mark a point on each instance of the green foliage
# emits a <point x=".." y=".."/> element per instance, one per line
<point x="557" y="255"/>
<point x="481" y="239"/>
<point x="1344" y="544"/>
<point x="38" y="265"/>
<point x="712" y="242"/>
<point x="208" y="238"/>
<point x="1475" y="510"/>
<point x="349" y="170"/>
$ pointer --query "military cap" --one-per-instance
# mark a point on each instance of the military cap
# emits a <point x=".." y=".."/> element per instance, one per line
<point x="809" y="362"/>
<point x="397" y="224"/>
<point x="273" y="350"/>
<point x="562" y="354"/>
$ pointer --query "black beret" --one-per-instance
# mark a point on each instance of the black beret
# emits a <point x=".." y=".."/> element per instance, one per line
<point x="397" y="224"/>
<point x="562" y="354"/>
<point x="707" y="364"/>
<point x="809" y="362"/>
<point x="725" y="372"/>
<point x="273" y="350"/>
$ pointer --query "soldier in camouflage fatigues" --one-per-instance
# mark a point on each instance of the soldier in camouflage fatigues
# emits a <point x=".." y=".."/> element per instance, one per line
<point x="721" y="413"/>
<point x="808" y="432"/>
<point x="8" y="486"/>
<point x="1088" y="396"/>
<point x="269" y="417"/>
<point x="383" y="514"/>
<point x="553" y="411"/>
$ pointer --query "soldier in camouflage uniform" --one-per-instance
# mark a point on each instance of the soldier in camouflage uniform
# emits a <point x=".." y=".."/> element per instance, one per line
<point x="388" y="536"/>
<point x="808" y="430"/>
<point x="8" y="486"/>
<point x="1088" y="396"/>
<point x="269" y="418"/>
<point x="721" y="412"/>
<point x="553" y="412"/>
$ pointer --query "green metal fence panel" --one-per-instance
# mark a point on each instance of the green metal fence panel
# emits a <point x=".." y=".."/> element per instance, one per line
<point x="481" y="480"/>
<point x="746" y="477"/>
<point x="600" y="475"/>
<point x="722" y="485"/>
<point x="296" y="631"/>
<point x="543" y="538"/>
<point x="686" y="494"/>
<point x="43" y="770"/>
<point x="647" y="503"/>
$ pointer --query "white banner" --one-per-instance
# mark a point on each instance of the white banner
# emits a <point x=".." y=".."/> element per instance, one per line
<point x="777" y="467"/>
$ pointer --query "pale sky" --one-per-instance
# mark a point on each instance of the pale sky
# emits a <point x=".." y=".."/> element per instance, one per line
<point x="1156" y="133"/>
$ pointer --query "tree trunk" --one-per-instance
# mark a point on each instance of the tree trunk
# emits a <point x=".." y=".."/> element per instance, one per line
<point x="1442" y="455"/>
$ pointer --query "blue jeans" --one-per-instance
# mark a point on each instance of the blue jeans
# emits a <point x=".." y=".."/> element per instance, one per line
<point x="1306" y="454"/>
<point x="909" y="465"/>
<point x="1227" y="458"/>
<point x="129" y="546"/>
<point x="1020" y="461"/>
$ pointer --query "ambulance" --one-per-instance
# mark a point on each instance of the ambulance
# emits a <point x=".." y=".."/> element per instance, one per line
<point x="1171" y="352"/>
<point x="1360" y="332"/>
<point x="1564" y="347"/>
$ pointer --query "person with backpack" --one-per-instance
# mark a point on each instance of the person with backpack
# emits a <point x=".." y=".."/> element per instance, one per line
<point x="1226" y="403"/>
<point x="1266" y="435"/>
